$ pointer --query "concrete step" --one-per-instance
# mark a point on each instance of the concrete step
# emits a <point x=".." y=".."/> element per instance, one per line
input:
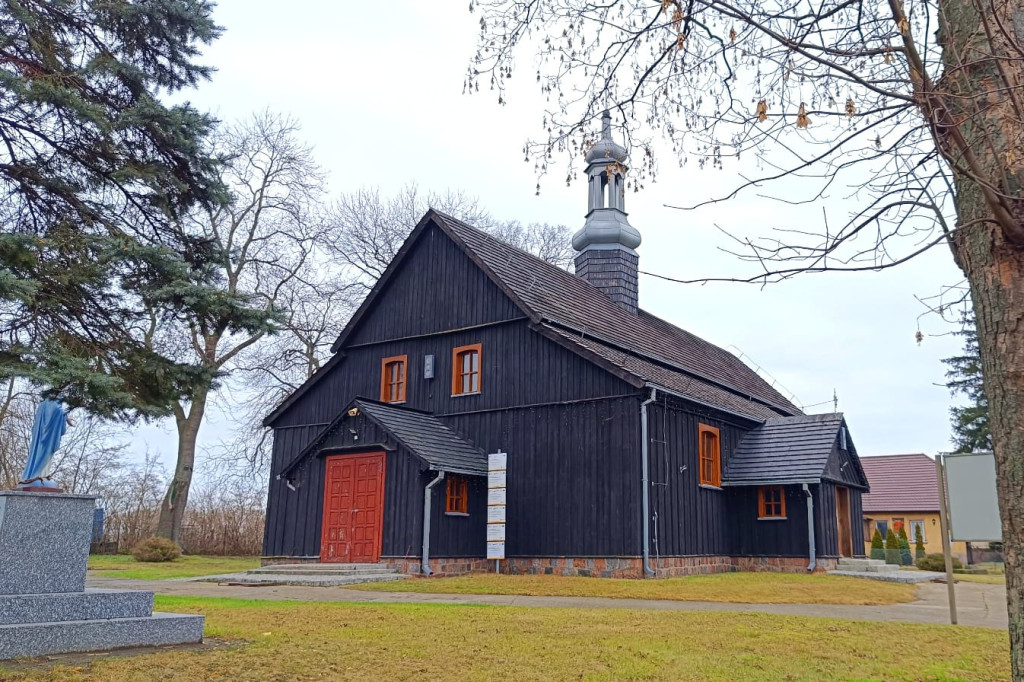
<point x="321" y="569"/>
<point x="74" y="606"/>
<point x="39" y="639"/>
<point x="852" y="563"/>
<point x="303" y="580"/>
<point x="883" y="568"/>
<point x="892" y="576"/>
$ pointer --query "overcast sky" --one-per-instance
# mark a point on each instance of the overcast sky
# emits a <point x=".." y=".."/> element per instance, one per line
<point x="378" y="91"/>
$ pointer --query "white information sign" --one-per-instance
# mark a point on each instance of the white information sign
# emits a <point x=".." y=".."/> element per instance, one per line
<point x="495" y="532"/>
<point x="497" y="463"/>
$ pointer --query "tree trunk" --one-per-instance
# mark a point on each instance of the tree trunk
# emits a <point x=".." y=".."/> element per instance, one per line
<point x="172" y="509"/>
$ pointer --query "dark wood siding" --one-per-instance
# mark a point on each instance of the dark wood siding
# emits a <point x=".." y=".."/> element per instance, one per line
<point x="687" y="519"/>
<point x="782" y="538"/>
<point x="841" y="467"/>
<point x="857" y="522"/>
<point x="298" y="513"/>
<point x="438" y="288"/>
<point x="826" y="531"/>
<point x="573" y="475"/>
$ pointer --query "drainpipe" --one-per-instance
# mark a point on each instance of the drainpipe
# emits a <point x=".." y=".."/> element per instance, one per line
<point x="425" y="566"/>
<point x="810" y="527"/>
<point x="646" y="497"/>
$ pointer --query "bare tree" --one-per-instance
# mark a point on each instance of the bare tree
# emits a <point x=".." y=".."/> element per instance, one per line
<point x="17" y="410"/>
<point x="914" y="109"/>
<point x="369" y="229"/>
<point x="266" y="235"/>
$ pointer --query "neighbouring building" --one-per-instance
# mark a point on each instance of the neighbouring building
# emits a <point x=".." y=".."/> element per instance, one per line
<point x="905" y="490"/>
<point x="634" y="447"/>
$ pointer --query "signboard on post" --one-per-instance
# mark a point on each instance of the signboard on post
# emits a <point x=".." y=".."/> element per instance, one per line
<point x="973" y="506"/>
<point x="497" y="465"/>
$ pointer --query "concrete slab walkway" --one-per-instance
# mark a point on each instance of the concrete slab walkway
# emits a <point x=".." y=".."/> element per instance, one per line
<point x="978" y="604"/>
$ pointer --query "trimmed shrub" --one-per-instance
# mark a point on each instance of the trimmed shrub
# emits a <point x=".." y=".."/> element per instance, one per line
<point x="905" y="558"/>
<point x="936" y="562"/>
<point x="877" y="546"/>
<point x="892" y="548"/>
<point x="918" y="543"/>
<point x="156" y="549"/>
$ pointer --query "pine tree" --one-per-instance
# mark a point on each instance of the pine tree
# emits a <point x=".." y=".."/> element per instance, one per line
<point x="918" y="543"/>
<point x="877" y="545"/>
<point x="95" y="173"/>
<point x="971" y="432"/>
<point x="904" y="543"/>
<point x="892" y="548"/>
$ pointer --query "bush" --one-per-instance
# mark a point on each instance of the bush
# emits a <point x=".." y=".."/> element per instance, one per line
<point x="877" y="546"/>
<point x="905" y="558"/>
<point x="892" y="548"/>
<point x="918" y="543"/>
<point x="935" y="562"/>
<point x="156" y="549"/>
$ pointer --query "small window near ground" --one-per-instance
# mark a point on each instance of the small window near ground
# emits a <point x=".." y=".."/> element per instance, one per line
<point x="710" y="456"/>
<point x="466" y="370"/>
<point x="393" y="379"/>
<point x="458" y="495"/>
<point x="771" y="502"/>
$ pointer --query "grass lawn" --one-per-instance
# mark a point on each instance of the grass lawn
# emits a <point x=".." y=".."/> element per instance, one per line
<point x="339" y="641"/>
<point x="986" y="579"/>
<point x="124" y="566"/>
<point x="744" y="588"/>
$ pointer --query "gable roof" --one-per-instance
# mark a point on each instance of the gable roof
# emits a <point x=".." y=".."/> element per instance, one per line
<point x="901" y="483"/>
<point x="640" y="348"/>
<point x="421" y="433"/>
<point x="787" y="450"/>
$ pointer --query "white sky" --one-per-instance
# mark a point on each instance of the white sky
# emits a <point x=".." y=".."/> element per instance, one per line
<point x="377" y="89"/>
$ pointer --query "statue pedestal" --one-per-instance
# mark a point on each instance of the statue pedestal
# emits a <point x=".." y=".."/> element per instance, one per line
<point x="44" y="605"/>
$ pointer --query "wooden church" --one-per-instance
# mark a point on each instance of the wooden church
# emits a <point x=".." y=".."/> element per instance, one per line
<point x="634" y="448"/>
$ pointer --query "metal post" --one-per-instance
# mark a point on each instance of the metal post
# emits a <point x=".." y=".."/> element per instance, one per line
<point x="940" y="470"/>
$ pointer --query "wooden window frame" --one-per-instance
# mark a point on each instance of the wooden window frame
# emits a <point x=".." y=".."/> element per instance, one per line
<point x="457" y="369"/>
<point x="457" y="496"/>
<point x="385" y="392"/>
<point x="763" y="512"/>
<point x="715" y="480"/>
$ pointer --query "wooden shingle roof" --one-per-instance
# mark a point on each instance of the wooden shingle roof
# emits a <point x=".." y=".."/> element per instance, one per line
<point x="559" y="299"/>
<point x="787" y="450"/>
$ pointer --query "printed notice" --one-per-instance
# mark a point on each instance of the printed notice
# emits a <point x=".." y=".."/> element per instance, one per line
<point x="496" y="532"/>
<point x="496" y="479"/>
<point x="496" y="496"/>
<point x="495" y="550"/>
<point x="496" y="514"/>
<point x="497" y="461"/>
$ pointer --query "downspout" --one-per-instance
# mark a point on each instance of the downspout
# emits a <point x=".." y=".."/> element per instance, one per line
<point x="425" y="565"/>
<point x="646" y="496"/>
<point x="810" y="527"/>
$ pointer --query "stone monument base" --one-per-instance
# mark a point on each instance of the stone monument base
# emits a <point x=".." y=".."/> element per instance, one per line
<point x="44" y="605"/>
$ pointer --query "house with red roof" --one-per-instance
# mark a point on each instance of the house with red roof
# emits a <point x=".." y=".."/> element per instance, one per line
<point x="904" y="490"/>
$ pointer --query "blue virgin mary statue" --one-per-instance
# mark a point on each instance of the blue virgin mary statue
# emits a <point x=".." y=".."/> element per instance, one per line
<point x="49" y="427"/>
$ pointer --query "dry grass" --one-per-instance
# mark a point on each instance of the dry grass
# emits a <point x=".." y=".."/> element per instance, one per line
<point x="338" y="641"/>
<point x="124" y="566"/>
<point x="743" y="588"/>
<point x="985" y="579"/>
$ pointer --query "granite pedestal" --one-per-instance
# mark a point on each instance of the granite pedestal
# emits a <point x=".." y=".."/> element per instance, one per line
<point x="44" y="606"/>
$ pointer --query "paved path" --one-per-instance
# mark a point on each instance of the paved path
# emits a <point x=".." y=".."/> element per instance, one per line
<point x="982" y="605"/>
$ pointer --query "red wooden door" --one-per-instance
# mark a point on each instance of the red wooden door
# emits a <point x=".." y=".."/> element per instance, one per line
<point x="353" y="508"/>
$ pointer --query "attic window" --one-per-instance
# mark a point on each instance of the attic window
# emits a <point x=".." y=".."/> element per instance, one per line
<point x="710" y="456"/>
<point x="458" y="495"/>
<point x="771" y="502"/>
<point x="393" y="379"/>
<point x="466" y="370"/>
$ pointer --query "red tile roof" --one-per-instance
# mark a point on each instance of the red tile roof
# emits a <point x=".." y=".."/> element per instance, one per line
<point x="901" y="483"/>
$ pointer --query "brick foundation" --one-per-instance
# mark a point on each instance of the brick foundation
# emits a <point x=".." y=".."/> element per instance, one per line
<point x="665" y="567"/>
<point x="598" y="567"/>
